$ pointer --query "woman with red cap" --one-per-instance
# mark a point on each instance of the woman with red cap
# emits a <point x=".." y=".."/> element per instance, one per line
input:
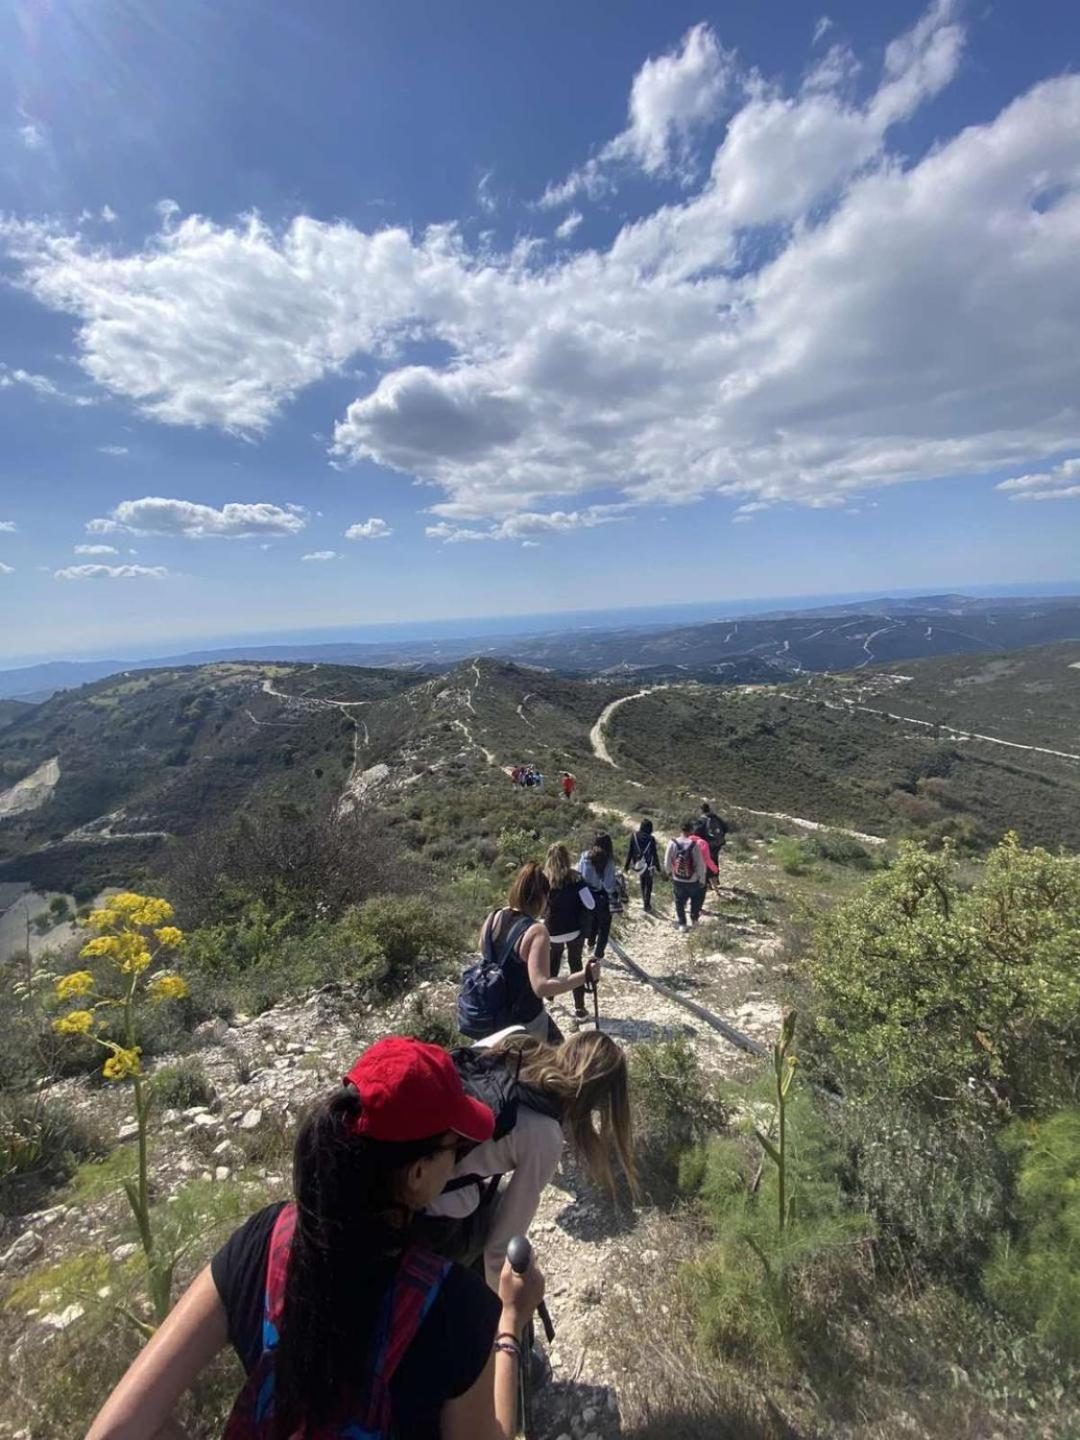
<point x="343" y="1325"/>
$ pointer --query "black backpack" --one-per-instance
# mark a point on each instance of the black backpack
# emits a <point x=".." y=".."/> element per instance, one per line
<point x="712" y="829"/>
<point x="491" y="987"/>
<point x="493" y="1080"/>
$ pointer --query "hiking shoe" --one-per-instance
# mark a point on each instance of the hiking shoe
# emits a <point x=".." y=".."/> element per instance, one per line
<point x="581" y="1017"/>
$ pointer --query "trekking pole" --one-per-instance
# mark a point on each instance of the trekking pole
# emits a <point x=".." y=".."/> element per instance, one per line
<point x="592" y="985"/>
<point x="519" y="1253"/>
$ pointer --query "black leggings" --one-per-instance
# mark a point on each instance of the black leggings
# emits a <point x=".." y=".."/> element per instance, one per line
<point x="600" y="923"/>
<point x="646" y="879"/>
<point x="573" y="950"/>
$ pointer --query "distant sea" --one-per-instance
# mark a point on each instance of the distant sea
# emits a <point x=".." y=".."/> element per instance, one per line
<point x="490" y="626"/>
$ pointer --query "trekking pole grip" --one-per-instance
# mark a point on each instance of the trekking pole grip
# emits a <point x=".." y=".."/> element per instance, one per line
<point x="519" y="1253"/>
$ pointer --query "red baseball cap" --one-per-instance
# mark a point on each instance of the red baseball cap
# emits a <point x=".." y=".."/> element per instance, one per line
<point x="411" y="1090"/>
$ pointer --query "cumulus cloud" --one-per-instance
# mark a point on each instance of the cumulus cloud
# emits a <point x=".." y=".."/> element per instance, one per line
<point x="1060" y="483"/>
<point x="6" y="569"/>
<point x="373" y="529"/>
<point x="529" y="523"/>
<point x="671" y="98"/>
<point x="566" y="228"/>
<point x="8" y="527"/>
<point x="112" y="572"/>
<point x="154" y="515"/>
<point x="320" y="555"/>
<point x="822" y="316"/>
<point x="96" y="550"/>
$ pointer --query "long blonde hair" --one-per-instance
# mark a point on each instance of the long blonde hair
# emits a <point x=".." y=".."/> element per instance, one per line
<point x="557" y="866"/>
<point x="587" y="1075"/>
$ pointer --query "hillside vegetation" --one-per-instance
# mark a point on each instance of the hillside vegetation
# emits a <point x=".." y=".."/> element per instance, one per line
<point x="908" y="1270"/>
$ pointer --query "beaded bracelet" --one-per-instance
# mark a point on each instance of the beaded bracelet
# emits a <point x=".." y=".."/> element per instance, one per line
<point x="508" y="1347"/>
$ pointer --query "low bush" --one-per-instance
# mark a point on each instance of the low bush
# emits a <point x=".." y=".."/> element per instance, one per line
<point x="674" y="1110"/>
<point x="840" y="849"/>
<point x="41" y="1143"/>
<point x="795" y="857"/>
<point x="1035" y="1273"/>
<point x="937" y="1188"/>
<point x="180" y="1086"/>
<point x="928" y="989"/>
<point x="762" y="1286"/>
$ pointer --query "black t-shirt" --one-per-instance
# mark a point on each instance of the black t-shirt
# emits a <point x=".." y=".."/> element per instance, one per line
<point x="446" y="1357"/>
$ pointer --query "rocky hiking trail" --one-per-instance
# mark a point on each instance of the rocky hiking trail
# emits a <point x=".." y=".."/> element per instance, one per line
<point x="268" y="1068"/>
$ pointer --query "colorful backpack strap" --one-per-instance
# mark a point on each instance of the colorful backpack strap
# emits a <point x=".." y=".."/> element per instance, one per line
<point x="416" y="1283"/>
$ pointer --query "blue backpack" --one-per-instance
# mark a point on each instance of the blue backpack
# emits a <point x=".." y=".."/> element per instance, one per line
<point x="492" y="987"/>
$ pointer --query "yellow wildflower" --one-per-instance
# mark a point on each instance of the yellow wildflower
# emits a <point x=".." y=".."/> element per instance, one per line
<point x="76" y="1022"/>
<point x="102" y="919"/>
<point x="152" y="911"/>
<point x="126" y="903"/>
<point x="122" y="1063"/>
<point x="99" y="945"/>
<point x="79" y="982"/>
<point x="169" y="936"/>
<point x="167" y="987"/>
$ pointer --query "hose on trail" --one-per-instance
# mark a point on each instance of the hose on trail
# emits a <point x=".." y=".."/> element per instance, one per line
<point x="733" y="1036"/>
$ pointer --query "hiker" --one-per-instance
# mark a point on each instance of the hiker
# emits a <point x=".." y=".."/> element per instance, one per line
<point x="713" y="830"/>
<point x="510" y="982"/>
<point x="343" y="1326"/>
<point x="569" y="785"/>
<point x="642" y="854"/>
<point x="597" y="867"/>
<point x="568" y="916"/>
<point x="515" y="775"/>
<point x="711" y="867"/>
<point x="685" y="864"/>
<point x="537" y="1092"/>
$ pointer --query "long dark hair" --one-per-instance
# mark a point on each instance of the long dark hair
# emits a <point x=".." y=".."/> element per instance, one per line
<point x="351" y="1228"/>
<point x="601" y="852"/>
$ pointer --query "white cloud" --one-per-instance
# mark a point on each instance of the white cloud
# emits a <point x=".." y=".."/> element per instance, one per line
<point x="485" y="193"/>
<point x="6" y="569"/>
<point x="566" y="228"/>
<point x="530" y="544"/>
<point x="108" y="215"/>
<point x="321" y="555"/>
<point x="1060" y="483"/>
<point x="112" y="572"/>
<point x="516" y="527"/>
<point x="373" y="529"/>
<point x="41" y="386"/>
<point x="822" y="28"/>
<point x="671" y="98"/>
<point x="8" y="527"/>
<point x="32" y="135"/>
<point x="153" y="515"/>
<point x="96" y="550"/>
<point x="823" y="316"/>
<point x="113" y="449"/>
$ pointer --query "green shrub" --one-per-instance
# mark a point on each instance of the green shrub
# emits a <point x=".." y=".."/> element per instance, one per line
<point x="435" y="1027"/>
<point x="41" y="1142"/>
<point x="926" y="988"/>
<point x="674" y="1110"/>
<point x="1035" y="1274"/>
<point x="180" y="1086"/>
<point x="935" y="1186"/>
<point x="841" y="849"/>
<point x="794" y="857"/>
<point x="516" y="845"/>
<point x="759" y="1289"/>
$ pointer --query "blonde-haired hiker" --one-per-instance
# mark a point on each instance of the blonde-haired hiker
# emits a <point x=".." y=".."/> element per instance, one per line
<point x="541" y="1096"/>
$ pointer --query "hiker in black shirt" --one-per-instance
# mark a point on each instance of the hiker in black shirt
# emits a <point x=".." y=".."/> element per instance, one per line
<point x="346" y="1288"/>
<point x="641" y="853"/>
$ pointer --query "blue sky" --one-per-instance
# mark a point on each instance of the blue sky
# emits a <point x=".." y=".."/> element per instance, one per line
<point x="552" y="307"/>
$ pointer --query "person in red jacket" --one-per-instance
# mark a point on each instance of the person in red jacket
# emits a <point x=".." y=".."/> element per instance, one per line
<point x="712" y="870"/>
<point x="569" y="784"/>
